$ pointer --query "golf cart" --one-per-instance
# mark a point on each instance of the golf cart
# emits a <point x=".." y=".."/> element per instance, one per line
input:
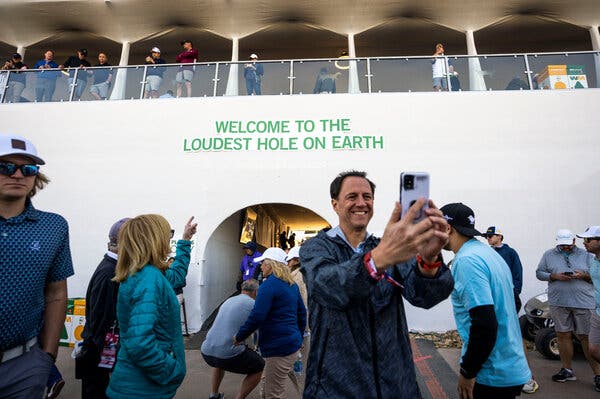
<point x="538" y="327"/>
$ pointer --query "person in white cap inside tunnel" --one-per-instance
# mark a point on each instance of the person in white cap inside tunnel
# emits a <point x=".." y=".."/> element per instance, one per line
<point x="280" y="316"/>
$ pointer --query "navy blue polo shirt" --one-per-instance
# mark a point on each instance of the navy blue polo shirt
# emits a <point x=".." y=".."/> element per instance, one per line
<point x="34" y="250"/>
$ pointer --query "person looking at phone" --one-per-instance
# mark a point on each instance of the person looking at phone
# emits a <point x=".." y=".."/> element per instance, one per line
<point x="493" y="363"/>
<point x="253" y="73"/>
<point x="571" y="298"/>
<point x="359" y="344"/>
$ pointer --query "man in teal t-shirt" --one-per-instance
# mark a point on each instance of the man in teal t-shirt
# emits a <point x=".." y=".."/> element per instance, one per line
<point x="493" y="363"/>
<point x="591" y="242"/>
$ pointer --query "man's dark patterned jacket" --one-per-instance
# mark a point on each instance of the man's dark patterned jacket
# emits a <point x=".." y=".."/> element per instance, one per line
<point x="360" y="345"/>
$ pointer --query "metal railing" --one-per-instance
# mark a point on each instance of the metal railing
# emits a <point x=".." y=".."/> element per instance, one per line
<point x="526" y="71"/>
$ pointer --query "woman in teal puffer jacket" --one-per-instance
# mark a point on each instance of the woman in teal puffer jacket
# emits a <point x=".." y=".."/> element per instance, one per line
<point x="151" y="358"/>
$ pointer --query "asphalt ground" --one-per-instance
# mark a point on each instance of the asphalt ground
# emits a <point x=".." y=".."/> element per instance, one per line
<point x="436" y="373"/>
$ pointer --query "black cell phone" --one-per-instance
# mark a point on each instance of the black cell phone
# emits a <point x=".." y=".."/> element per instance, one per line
<point x="568" y="273"/>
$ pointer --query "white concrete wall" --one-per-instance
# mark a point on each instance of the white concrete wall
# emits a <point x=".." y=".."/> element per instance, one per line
<point x="220" y="267"/>
<point x="526" y="161"/>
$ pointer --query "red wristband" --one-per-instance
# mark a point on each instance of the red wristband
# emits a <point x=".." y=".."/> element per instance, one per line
<point x="371" y="268"/>
<point x="428" y="266"/>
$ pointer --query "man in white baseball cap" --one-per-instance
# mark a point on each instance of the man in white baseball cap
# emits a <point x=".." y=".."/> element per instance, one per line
<point x="36" y="261"/>
<point x="154" y="73"/>
<point x="253" y="73"/>
<point x="566" y="267"/>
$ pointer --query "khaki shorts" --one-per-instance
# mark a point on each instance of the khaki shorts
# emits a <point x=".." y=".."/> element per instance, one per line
<point x="100" y="89"/>
<point x="594" y="337"/>
<point x="153" y="82"/>
<point x="184" y="76"/>
<point x="575" y="320"/>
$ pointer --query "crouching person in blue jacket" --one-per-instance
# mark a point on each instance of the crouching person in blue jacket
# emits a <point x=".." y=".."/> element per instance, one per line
<point x="151" y="358"/>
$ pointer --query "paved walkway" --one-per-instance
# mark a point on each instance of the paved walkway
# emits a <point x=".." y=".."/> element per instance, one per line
<point x="436" y="372"/>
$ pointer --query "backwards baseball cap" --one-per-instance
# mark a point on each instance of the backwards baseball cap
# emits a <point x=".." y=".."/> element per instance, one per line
<point x="294" y="253"/>
<point x="493" y="230"/>
<point x="16" y="56"/>
<point x="155" y="50"/>
<point x="250" y="245"/>
<point x="113" y="233"/>
<point x="253" y="56"/>
<point x="590" y="232"/>
<point x="461" y="217"/>
<point x="564" y="237"/>
<point x="273" y="253"/>
<point x="17" y="145"/>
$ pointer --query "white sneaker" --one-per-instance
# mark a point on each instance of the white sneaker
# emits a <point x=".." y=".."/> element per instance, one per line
<point x="531" y="386"/>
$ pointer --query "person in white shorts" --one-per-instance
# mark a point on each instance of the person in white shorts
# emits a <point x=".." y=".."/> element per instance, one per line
<point x="102" y="78"/>
<point x="154" y="73"/>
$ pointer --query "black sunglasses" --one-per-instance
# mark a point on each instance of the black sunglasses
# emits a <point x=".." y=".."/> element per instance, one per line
<point x="9" y="169"/>
<point x="588" y="239"/>
<point x="172" y="233"/>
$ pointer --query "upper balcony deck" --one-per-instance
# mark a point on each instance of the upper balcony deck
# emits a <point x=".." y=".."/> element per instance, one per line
<point x="525" y="71"/>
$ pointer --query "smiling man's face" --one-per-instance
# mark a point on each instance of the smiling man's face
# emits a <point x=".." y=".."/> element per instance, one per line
<point x="354" y="204"/>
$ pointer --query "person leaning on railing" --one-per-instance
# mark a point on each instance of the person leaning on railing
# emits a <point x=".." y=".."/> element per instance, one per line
<point x="46" y="80"/>
<point x="16" y="82"/>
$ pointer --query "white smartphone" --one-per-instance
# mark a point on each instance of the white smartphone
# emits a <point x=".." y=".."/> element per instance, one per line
<point x="414" y="185"/>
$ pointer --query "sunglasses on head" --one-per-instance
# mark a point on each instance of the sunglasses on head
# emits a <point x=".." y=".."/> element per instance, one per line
<point x="9" y="169"/>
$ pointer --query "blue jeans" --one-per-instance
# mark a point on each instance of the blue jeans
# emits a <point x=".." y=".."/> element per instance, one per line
<point x="81" y="83"/>
<point x="25" y="377"/>
<point x="54" y="376"/>
<point x="44" y="89"/>
<point x="253" y="86"/>
<point x="440" y="82"/>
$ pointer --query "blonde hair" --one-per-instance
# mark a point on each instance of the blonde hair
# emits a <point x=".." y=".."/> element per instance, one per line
<point x="142" y="240"/>
<point x="41" y="180"/>
<point x="280" y="270"/>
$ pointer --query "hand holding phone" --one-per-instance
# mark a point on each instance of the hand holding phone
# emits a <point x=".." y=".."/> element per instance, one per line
<point x="414" y="185"/>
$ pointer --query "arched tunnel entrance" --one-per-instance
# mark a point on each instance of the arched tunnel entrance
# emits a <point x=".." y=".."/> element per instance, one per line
<point x="266" y="224"/>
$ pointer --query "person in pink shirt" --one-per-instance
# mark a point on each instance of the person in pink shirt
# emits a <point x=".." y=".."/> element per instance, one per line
<point x="186" y="72"/>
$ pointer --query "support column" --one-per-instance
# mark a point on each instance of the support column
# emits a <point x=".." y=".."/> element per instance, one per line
<point x="476" y="81"/>
<point x="232" y="79"/>
<point x="120" y="81"/>
<point x="595" y="35"/>
<point x="21" y="50"/>
<point x="353" y="84"/>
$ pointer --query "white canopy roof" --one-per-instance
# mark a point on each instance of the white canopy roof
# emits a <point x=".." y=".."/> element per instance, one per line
<point x="26" y="22"/>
